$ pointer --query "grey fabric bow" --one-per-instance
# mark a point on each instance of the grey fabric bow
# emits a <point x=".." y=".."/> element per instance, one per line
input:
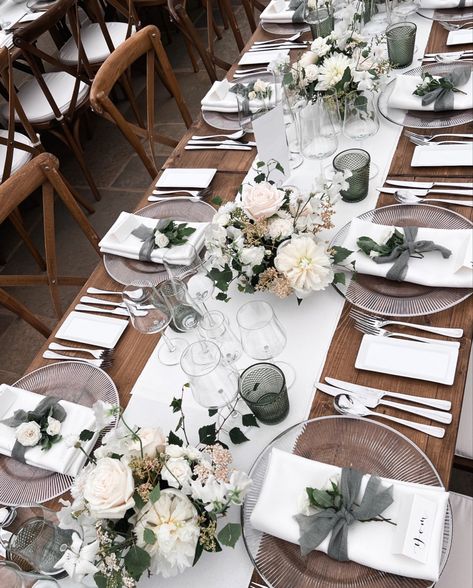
<point x="444" y="98"/>
<point x="146" y="234"/>
<point x="244" y="103"/>
<point x="314" y="528"/>
<point x="298" y="7"/>
<point x="49" y="406"/>
<point x="401" y="254"/>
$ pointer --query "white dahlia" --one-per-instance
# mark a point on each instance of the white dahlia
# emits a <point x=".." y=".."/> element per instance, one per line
<point x="332" y="70"/>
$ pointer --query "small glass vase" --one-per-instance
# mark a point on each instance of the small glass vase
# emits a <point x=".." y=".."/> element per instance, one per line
<point x="319" y="16"/>
<point x="11" y="576"/>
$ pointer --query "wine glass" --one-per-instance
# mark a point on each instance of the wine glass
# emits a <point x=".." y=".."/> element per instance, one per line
<point x="262" y="335"/>
<point x="12" y="576"/>
<point x="214" y="327"/>
<point x="360" y="120"/>
<point x="185" y="315"/>
<point x="318" y="136"/>
<point x="150" y="314"/>
<point x="402" y="10"/>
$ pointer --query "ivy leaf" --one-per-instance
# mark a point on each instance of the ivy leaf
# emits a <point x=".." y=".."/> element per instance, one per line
<point x="155" y="494"/>
<point x="149" y="536"/>
<point x="230" y="534"/>
<point x="100" y="580"/>
<point x="137" y="560"/>
<point x="339" y="278"/>
<point x="86" y="435"/>
<point x="237" y="436"/>
<point x="217" y="200"/>
<point x="341" y="253"/>
<point x="176" y="404"/>
<point x="173" y="439"/>
<point x="260" y="164"/>
<point x="139" y="502"/>
<point x="179" y="424"/>
<point x="260" y="178"/>
<point x="279" y="167"/>
<point x="222" y="296"/>
<point x="208" y="434"/>
<point x="212" y="412"/>
<point x="249" y="420"/>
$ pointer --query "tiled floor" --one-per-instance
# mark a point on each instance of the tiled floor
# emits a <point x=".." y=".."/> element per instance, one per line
<point x="122" y="179"/>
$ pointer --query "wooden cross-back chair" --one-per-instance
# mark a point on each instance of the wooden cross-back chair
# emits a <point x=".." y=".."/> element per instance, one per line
<point x="56" y="100"/>
<point x="146" y="42"/>
<point x="42" y="172"/>
<point x="181" y="18"/>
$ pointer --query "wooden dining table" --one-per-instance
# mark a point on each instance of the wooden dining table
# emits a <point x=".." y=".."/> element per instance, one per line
<point x="134" y="349"/>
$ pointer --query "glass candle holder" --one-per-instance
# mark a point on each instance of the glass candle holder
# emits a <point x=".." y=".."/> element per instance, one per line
<point x="319" y="18"/>
<point x="263" y="387"/>
<point x="401" y="38"/>
<point x="358" y="162"/>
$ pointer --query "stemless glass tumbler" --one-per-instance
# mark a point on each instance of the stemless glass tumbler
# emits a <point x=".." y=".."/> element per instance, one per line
<point x="318" y="136"/>
<point x="215" y="327"/>
<point x="263" y="388"/>
<point x="401" y="38"/>
<point x="262" y="335"/>
<point x="358" y="162"/>
<point x="319" y="17"/>
<point x="360" y="119"/>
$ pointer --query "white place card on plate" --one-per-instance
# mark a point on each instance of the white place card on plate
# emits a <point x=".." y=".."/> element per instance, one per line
<point x="415" y="527"/>
<point x="271" y="142"/>
<point x="186" y="177"/>
<point x="442" y="155"/>
<point x="410" y="359"/>
<point x="96" y="330"/>
<point x="252" y="58"/>
<point x="460" y="37"/>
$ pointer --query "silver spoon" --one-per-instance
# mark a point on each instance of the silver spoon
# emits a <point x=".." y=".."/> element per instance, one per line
<point x="454" y="27"/>
<point x="348" y="405"/>
<point x="235" y="135"/>
<point x="405" y="197"/>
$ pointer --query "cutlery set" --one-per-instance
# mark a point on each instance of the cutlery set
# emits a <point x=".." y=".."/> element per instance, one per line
<point x="99" y="357"/>
<point x="226" y="145"/>
<point x="446" y="57"/>
<point x="167" y="195"/>
<point x="411" y="192"/>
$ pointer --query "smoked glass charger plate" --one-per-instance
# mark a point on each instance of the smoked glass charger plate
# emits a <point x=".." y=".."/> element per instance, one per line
<point x="128" y="271"/>
<point x="448" y="14"/>
<point x="73" y="381"/>
<point x="381" y="296"/>
<point x="285" y="29"/>
<point x="342" y="441"/>
<point x="425" y="119"/>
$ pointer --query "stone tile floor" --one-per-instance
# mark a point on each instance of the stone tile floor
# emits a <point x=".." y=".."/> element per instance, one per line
<point x="122" y="179"/>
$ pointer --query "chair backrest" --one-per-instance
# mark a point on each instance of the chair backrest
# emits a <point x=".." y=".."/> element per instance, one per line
<point x="146" y="42"/>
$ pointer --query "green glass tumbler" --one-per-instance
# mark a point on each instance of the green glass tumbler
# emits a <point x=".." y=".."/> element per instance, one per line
<point x="401" y="38"/>
<point x="358" y="162"/>
<point x="263" y="387"/>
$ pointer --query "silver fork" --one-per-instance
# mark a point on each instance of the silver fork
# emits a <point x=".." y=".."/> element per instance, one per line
<point x="256" y="585"/>
<point x="97" y="353"/>
<point x="101" y="363"/>
<point x="454" y="27"/>
<point x="378" y="321"/>
<point x="427" y="138"/>
<point x="373" y="330"/>
<point x="194" y="193"/>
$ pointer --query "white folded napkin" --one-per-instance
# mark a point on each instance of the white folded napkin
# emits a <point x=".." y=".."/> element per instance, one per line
<point x="120" y="241"/>
<point x="442" y="4"/>
<point x="371" y="544"/>
<point x="6" y="39"/>
<point x="60" y="458"/>
<point x="402" y="95"/>
<point x="433" y="269"/>
<point x="220" y="99"/>
<point x="277" y="12"/>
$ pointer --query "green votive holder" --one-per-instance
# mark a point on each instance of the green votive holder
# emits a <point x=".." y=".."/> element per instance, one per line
<point x="263" y="387"/>
<point x="358" y="162"/>
<point x="401" y="38"/>
<point x="320" y="21"/>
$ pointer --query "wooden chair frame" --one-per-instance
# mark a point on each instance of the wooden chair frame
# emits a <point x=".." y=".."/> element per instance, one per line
<point x="146" y="42"/>
<point x="42" y="172"/>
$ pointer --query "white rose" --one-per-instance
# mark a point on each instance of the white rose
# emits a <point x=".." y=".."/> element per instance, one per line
<point x="308" y="58"/>
<point x="252" y="255"/>
<point x="251" y="95"/>
<point x="215" y="235"/>
<point x="221" y="218"/>
<point x="152" y="442"/>
<point x="311" y="73"/>
<point x="160" y="239"/>
<point x="175" y="451"/>
<point x="54" y="427"/>
<point x="279" y="228"/>
<point x="28" y="434"/>
<point x="261" y="201"/>
<point x="176" y="472"/>
<point x="260" y="86"/>
<point x="109" y="488"/>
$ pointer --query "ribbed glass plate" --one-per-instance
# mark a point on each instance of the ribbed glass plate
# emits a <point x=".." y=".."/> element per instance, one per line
<point x="382" y="296"/>
<point x="286" y="29"/>
<point x="128" y="271"/>
<point x="425" y="120"/>
<point x="74" y="381"/>
<point x="449" y="14"/>
<point x="341" y="441"/>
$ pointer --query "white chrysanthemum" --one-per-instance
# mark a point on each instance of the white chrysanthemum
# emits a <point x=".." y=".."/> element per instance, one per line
<point x="174" y="522"/>
<point x="332" y="70"/>
<point x="306" y="264"/>
<point x="279" y="228"/>
<point x="252" y="255"/>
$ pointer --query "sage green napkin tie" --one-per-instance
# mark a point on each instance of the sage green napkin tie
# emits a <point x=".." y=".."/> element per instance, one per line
<point x="298" y="7"/>
<point x="146" y="234"/>
<point x="444" y="98"/>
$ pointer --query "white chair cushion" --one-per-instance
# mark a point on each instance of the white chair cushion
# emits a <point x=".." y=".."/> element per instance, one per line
<point x="20" y="157"/>
<point x="34" y="102"/>
<point x="94" y="43"/>
<point x="459" y="569"/>
<point x="464" y="446"/>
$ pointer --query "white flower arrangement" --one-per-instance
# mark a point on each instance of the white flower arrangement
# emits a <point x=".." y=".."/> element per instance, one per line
<point x="145" y="503"/>
<point x="268" y="240"/>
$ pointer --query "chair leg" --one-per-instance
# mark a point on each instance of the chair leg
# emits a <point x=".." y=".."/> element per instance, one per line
<point x="20" y="310"/>
<point x="248" y="7"/>
<point x="190" y="52"/>
<point x="17" y="222"/>
<point x="50" y="247"/>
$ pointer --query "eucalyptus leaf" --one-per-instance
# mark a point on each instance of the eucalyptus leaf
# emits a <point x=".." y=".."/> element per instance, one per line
<point x="230" y="534"/>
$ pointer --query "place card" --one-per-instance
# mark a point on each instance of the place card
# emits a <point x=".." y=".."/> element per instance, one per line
<point x="415" y="527"/>
<point x="271" y="142"/>
<point x="442" y="155"/>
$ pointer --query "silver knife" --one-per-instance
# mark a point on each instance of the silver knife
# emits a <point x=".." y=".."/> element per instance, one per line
<point x="87" y="308"/>
<point x="227" y="142"/>
<point x="418" y="192"/>
<point x="281" y="47"/>
<point x="371" y="401"/>
<point x="221" y="147"/>
<point x="92" y="300"/>
<point x="435" y="402"/>
<point x="429" y="185"/>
